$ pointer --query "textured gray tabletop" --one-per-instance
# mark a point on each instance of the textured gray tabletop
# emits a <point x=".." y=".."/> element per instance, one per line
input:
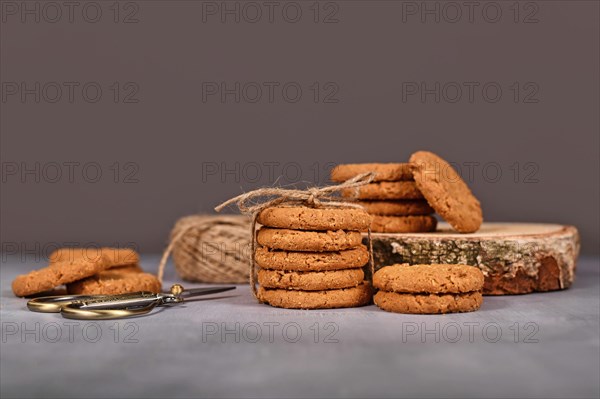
<point x="541" y="345"/>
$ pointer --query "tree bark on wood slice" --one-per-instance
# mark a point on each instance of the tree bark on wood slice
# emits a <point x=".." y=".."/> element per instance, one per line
<point x="515" y="258"/>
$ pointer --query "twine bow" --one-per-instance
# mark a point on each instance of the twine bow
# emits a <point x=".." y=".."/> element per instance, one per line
<point x="314" y="197"/>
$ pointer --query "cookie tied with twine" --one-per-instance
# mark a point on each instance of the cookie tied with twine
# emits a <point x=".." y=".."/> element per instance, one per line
<point x="253" y="202"/>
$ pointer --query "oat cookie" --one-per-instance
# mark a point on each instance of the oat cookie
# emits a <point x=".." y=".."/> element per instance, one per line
<point x="116" y="256"/>
<point x="305" y="218"/>
<point x="387" y="190"/>
<point x="403" y="224"/>
<point x="446" y="192"/>
<point x="432" y="279"/>
<point x="294" y="299"/>
<point x="133" y="268"/>
<point x="310" y="281"/>
<point x="115" y="281"/>
<point x="315" y="241"/>
<point x="383" y="171"/>
<point x="60" y="273"/>
<point x="397" y="208"/>
<point x="428" y="303"/>
<point x="311" y="261"/>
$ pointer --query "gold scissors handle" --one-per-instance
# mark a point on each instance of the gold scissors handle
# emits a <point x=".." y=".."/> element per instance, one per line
<point x="78" y="311"/>
<point x="100" y="307"/>
<point x="54" y="304"/>
<point x="105" y="307"/>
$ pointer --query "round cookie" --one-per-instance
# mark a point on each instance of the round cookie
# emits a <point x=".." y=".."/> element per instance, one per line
<point x="310" y="281"/>
<point x="397" y="208"/>
<point x="115" y="281"/>
<point x="116" y="256"/>
<point x="403" y="224"/>
<point x="293" y="299"/>
<point x="428" y="304"/>
<point x="311" y="261"/>
<point x="314" y="241"/>
<point x="305" y="218"/>
<point x="431" y="279"/>
<point x="58" y="274"/>
<point x="446" y="192"/>
<point x="383" y="171"/>
<point x="386" y="190"/>
<point x="133" y="268"/>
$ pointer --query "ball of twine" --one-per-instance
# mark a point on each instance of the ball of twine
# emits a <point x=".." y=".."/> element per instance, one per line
<point x="211" y="249"/>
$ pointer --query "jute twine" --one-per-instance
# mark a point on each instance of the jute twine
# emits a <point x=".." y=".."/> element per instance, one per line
<point x="210" y="248"/>
<point x="253" y="202"/>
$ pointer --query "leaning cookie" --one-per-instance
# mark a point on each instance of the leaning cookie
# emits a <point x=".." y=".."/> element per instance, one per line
<point x="403" y="224"/>
<point x="115" y="281"/>
<point x="59" y="273"/>
<point x="383" y="171"/>
<point x="305" y="218"/>
<point x="294" y="299"/>
<point x="446" y="192"/>
<point x="315" y="241"/>
<point x="311" y="261"/>
<point x="310" y="281"/>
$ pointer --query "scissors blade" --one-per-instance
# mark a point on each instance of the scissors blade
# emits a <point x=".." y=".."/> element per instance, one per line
<point x="204" y="291"/>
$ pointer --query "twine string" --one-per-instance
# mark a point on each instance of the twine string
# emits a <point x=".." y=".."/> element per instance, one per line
<point x="313" y="197"/>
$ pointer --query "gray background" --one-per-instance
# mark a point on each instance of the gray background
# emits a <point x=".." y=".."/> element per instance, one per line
<point x="170" y="136"/>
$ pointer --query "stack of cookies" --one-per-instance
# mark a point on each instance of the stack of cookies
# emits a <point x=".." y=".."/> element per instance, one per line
<point x="88" y="271"/>
<point x="394" y="200"/>
<point x="428" y="289"/>
<point x="312" y="258"/>
<point x="403" y="196"/>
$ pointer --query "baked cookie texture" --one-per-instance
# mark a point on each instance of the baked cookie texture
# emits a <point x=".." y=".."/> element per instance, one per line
<point x="57" y="274"/>
<point x="403" y="224"/>
<point x="394" y="200"/>
<point x="429" y="279"/>
<point x="116" y="256"/>
<point x="312" y="258"/>
<point x="428" y="289"/>
<point x="428" y="303"/>
<point x="314" y="241"/>
<point x="326" y="299"/>
<point x="310" y="281"/>
<point x="397" y="208"/>
<point x="305" y="218"/>
<point x="93" y="270"/>
<point x="385" y="190"/>
<point x="446" y="192"/>
<point x="383" y="171"/>
<point x="116" y="281"/>
<point x="311" y="261"/>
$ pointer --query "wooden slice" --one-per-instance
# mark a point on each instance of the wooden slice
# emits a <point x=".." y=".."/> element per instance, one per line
<point x="515" y="258"/>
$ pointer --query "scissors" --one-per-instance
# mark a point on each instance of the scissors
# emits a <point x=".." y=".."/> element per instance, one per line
<point x="106" y="307"/>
